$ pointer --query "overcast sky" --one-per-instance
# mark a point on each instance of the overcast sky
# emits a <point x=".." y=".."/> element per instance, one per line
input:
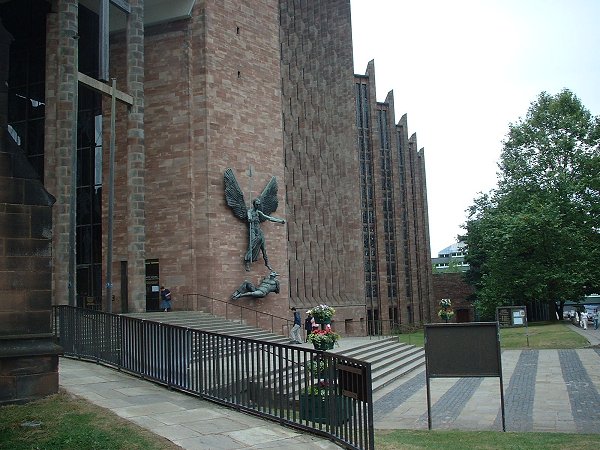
<point x="463" y="70"/>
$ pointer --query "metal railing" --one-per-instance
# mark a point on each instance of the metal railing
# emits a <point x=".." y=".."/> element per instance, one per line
<point x="243" y="314"/>
<point x="320" y="392"/>
<point x="383" y="329"/>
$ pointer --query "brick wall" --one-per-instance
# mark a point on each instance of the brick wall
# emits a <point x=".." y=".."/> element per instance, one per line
<point x="28" y="356"/>
<point x="452" y="286"/>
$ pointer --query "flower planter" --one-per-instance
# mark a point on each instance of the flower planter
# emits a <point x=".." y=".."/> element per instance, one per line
<point x="325" y="408"/>
<point x="323" y="345"/>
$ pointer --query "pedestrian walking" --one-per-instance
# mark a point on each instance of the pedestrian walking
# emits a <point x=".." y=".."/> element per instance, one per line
<point x="596" y="318"/>
<point x="584" y="319"/>
<point x="295" y="333"/>
<point x="165" y="299"/>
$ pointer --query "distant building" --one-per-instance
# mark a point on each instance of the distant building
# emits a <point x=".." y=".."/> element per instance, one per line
<point x="449" y="282"/>
<point x="451" y="259"/>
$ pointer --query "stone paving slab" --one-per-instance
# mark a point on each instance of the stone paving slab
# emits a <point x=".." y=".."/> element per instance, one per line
<point x="187" y="421"/>
<point x="543" y="391"/>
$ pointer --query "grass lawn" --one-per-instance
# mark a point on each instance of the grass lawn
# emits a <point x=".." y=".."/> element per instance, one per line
<point x="63" y="421"/>
<point x="460" y="440"/>
<point x="541" y="335"/>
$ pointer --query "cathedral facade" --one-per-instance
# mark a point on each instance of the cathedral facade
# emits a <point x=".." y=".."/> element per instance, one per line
<point x="131" y="111"/>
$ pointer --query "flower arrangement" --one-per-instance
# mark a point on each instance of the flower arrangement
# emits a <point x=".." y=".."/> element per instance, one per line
<point x="446" y="311"/>
<point x="323" y="338"/>
<point x="322" y="313"/>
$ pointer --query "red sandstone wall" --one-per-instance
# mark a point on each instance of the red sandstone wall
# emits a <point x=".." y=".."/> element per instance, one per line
<point x="241" y="106"/>
<point x="212" y="101"/>
<point x="325" y="241"/>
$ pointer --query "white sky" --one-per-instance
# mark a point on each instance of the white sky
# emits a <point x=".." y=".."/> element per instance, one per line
<point x="463" y="70"/>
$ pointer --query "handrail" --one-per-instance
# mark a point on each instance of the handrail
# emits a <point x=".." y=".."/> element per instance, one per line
<point x="227" y="305"/>
<point x="381" y="329"/>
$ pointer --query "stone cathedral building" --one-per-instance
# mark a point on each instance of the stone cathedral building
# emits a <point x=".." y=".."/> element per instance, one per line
<point x="174" y="93"/>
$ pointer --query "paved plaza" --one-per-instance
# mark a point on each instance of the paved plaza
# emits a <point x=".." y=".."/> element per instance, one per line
<point x="544" y="390"/>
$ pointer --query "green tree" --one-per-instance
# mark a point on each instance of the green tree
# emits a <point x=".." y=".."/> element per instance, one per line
<point x="537" y="236"/>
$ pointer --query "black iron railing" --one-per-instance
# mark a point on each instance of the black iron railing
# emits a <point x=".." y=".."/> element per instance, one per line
<point x="316" y="391"/>
<point x="379" y="329"/>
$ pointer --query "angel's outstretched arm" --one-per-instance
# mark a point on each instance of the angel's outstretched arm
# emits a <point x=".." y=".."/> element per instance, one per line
<point x="270" y="218"/>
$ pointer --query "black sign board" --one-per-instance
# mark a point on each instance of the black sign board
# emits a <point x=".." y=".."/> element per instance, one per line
<point x="353" y="381"/>
<point x="462" y="350"/>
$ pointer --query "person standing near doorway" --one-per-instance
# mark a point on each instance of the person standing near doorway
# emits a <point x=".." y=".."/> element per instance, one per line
<point x="165" y="299"/>
<point x="295" y="333"/>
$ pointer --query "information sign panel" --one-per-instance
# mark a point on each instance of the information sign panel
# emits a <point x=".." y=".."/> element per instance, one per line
<point x="511" y="316"/>
<point x="462" y="350"/>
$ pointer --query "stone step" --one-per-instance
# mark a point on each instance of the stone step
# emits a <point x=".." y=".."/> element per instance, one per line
<point x="390" y="360"/>
<point x="207" y="322"/>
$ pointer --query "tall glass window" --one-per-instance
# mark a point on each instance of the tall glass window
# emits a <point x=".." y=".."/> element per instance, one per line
<point x="25" y="20"/>
<point x="89" y="168"/>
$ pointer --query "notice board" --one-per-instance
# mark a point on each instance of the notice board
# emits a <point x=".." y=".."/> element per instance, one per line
<point x="462" y="350"/>
<point x="511" y="316"/>
<point x="504" y="317"/>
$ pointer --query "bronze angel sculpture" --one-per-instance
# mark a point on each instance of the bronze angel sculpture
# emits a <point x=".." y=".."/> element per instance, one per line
<point x="262" y="207"/>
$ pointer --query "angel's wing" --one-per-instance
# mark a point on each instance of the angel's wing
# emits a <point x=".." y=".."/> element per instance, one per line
<point x="234" y="196"/>
<point x="268" y="198"/>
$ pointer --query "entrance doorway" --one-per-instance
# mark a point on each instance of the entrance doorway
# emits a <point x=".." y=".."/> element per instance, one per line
<point x="152" y="285"/>
<point x="462" y="315"/>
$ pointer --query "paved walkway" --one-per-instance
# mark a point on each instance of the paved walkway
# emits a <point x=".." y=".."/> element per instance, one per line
<point x="544" y="390"/>
<point x="187" y="421"/>
<point x="593" y="336"/>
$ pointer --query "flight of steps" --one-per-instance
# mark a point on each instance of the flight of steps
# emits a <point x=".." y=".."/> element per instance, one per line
<point x="207" y="322"/>
<point x="390" y="360"/>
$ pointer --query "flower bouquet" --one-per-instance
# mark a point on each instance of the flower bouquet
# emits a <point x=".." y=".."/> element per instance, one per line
<point x="322" y="313"/>
<point x="323" y="339"/>
<point x="446" y="312"/>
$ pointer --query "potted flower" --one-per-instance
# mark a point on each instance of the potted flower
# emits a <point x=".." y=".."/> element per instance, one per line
<point x="323" y="339"/>
<point x="318" y="400"/>
<point x="322" y="313"/>
<point x="446" y="311"/>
